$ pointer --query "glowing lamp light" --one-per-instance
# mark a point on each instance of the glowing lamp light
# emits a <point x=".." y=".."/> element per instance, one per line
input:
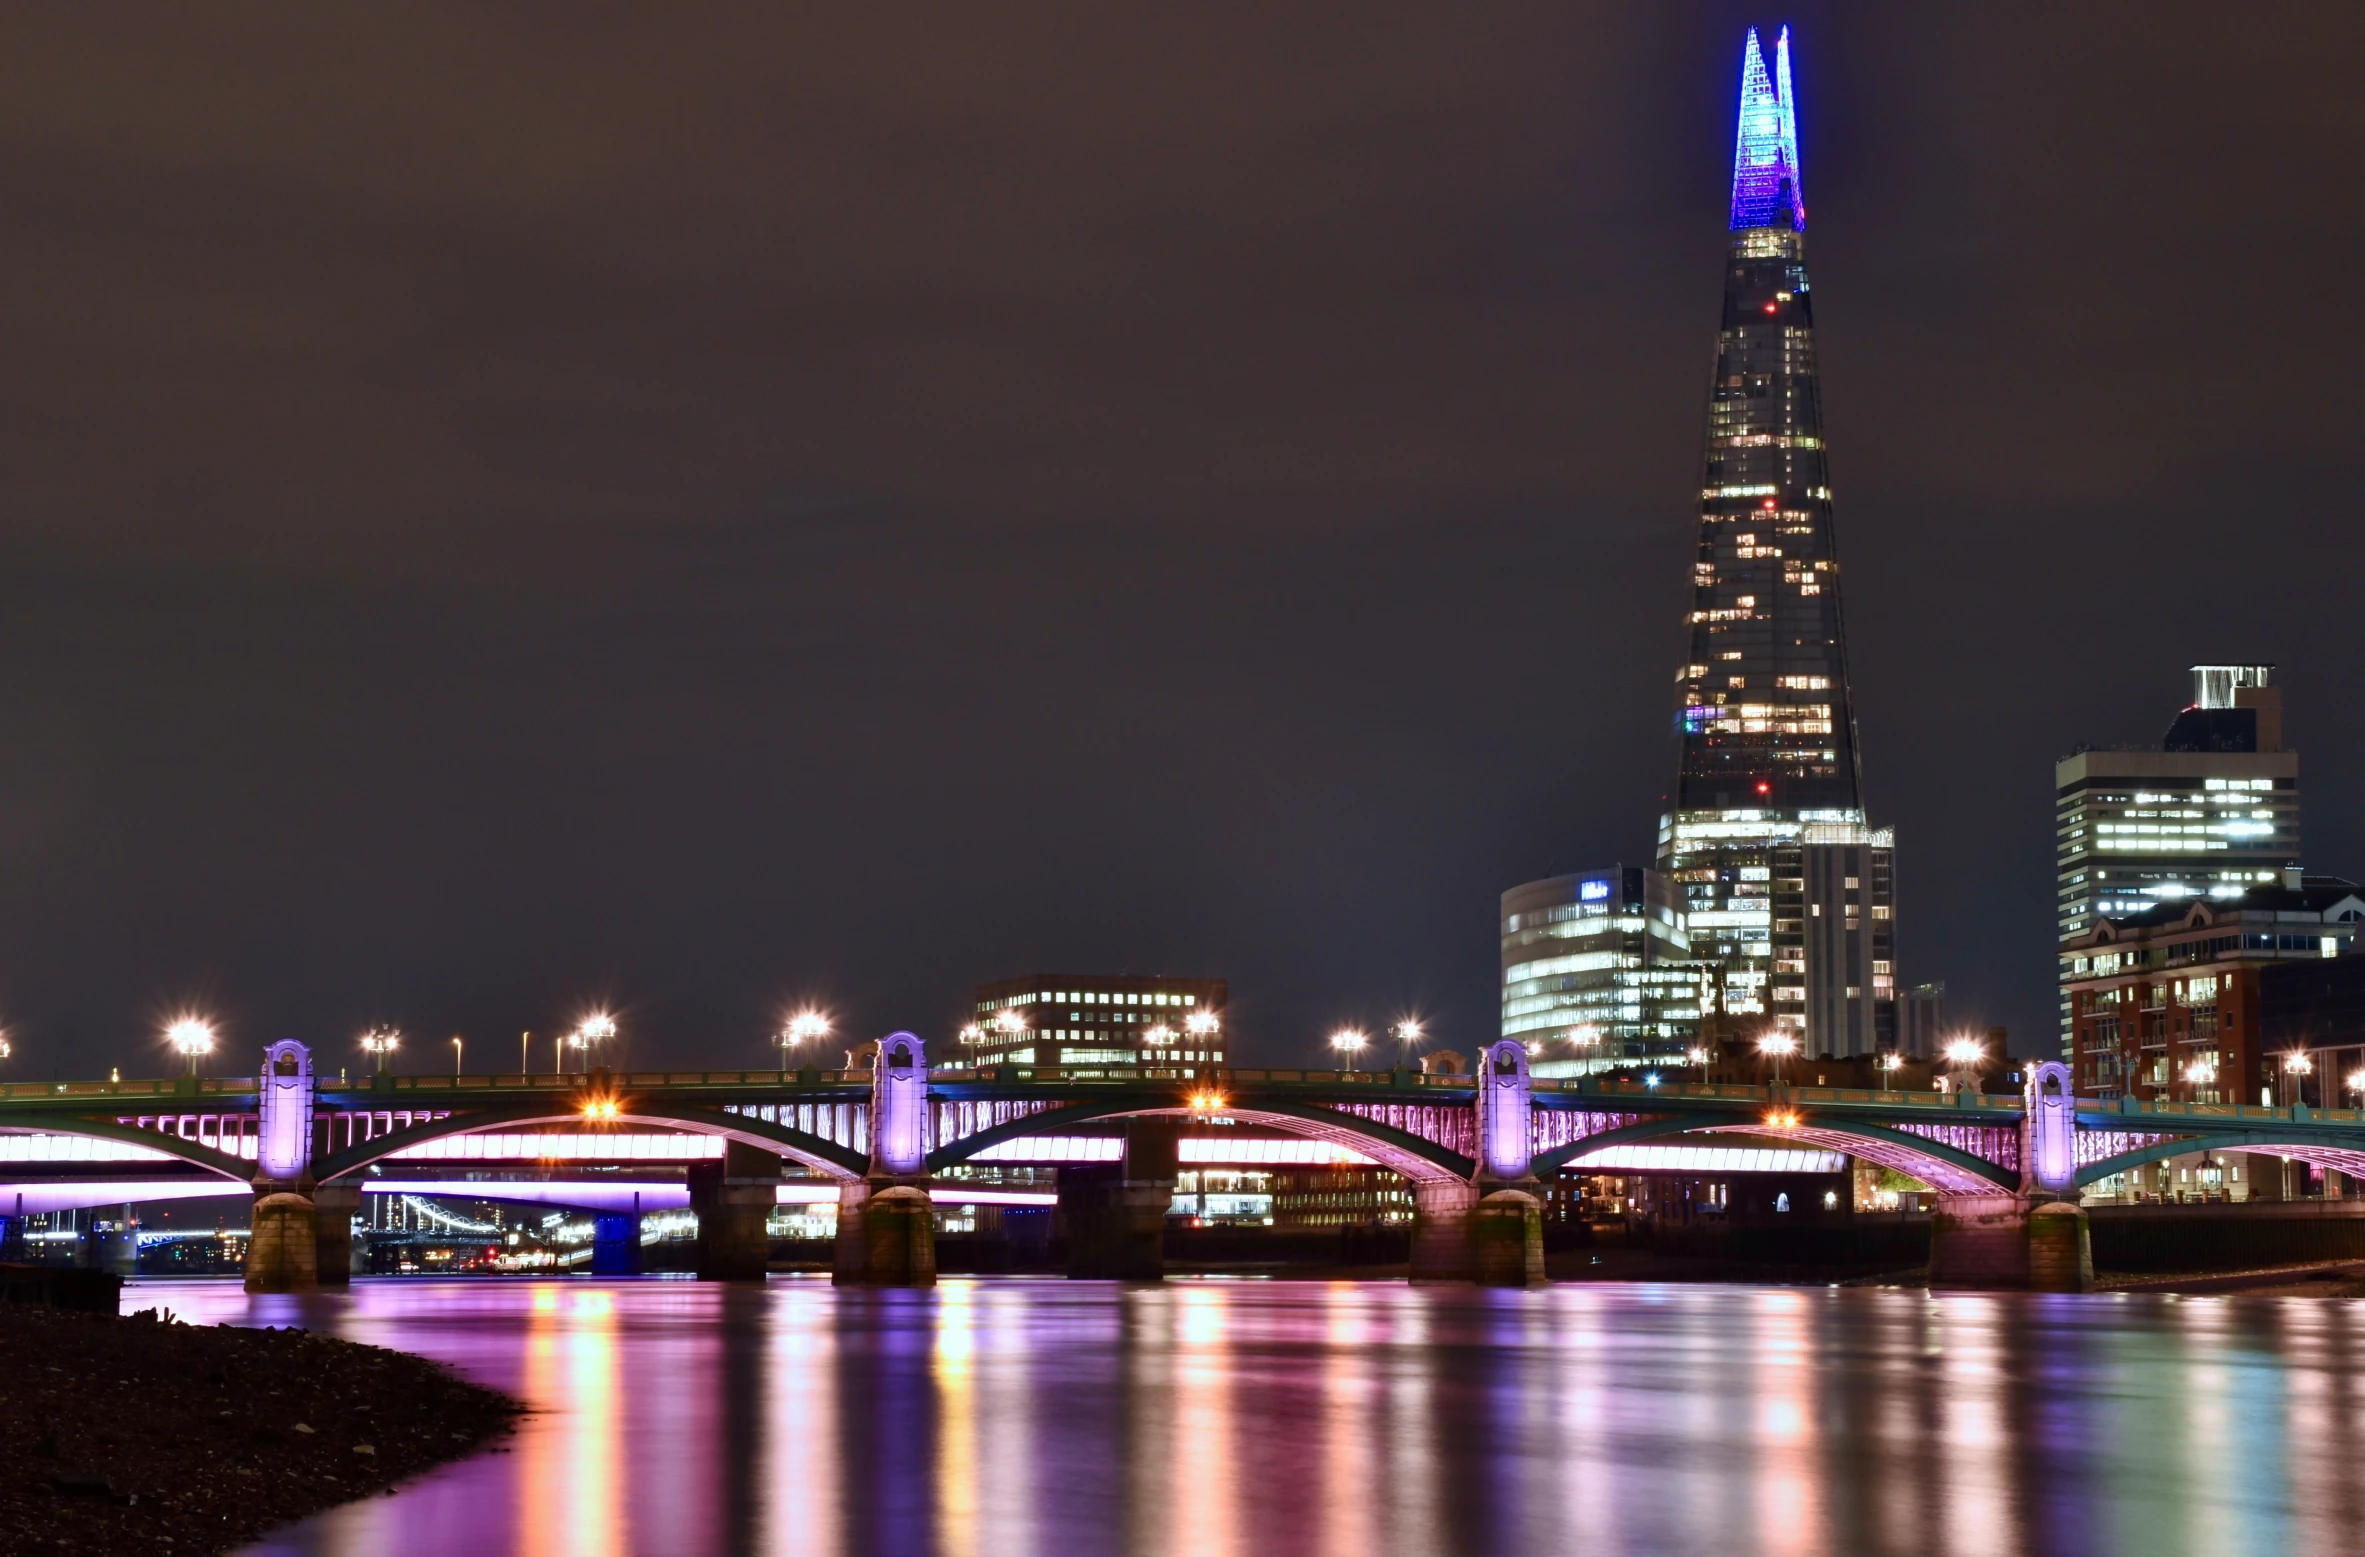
<point x="2356" y="1078"/>
<point x="1965" y="1051"/>
<point x="1782" y="1119"/>
<point x="1782" y="1044"/>
<point x="1765" y="788"/>
<point x="1696" y="1056"/>
<point x="600" y="1108"/>
<point x="2298" y="1064"/>
<point x="1010" y="1022"/>
<point x="972" y="1033"/>
<point x="1349" y="1041"/>
<point x="190" y="1036"/>
<point x="1158" y="1035"/>
<point x="1206" y="1102"/>
<point x="807" y="1025"/>
<point x="1201" y="1023"/>
<point x="1892" y="1060"/>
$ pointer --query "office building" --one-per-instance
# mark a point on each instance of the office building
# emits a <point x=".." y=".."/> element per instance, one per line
<point x="1787" y="895"/>
<point x="1070" y="1019"/>
<point x="2169" y="1001"/>
<point x="2212" y="812"/>
<point x="1921" y="1021"/>
<point x="1597" y="971"/>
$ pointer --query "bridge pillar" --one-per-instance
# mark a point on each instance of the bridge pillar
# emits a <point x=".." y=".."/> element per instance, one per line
<point x="282" y="1249"/>
<point x="886" y="1235"/>
<point x="1441" y="1246"/>
<point x="1116" y="1222"/>
<point x="886" y="1222"/>
<point x="734" y="1200"/>
<point x="2019" y="1242"/>
<point x="333" y="1209"/>
<point x="616" y="1241"/>
<point x="1507" y="1238"/>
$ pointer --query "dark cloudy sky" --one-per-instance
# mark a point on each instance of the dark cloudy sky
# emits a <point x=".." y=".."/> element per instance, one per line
<point x="507" y="507"/>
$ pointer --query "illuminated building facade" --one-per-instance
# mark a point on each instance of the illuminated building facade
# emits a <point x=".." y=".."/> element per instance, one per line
<point x="2194" y="1000"/>
<point x="1070" y="1019"/>
<point x="1787" y="896"/>
<point x="1598" y="972"/>
<point x="2212" y="813"/>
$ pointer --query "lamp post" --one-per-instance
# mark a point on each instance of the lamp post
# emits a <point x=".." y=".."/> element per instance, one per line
<point x="2197" y="1075"/>
<point x="379" y="1042"/>
<point x="1348" y="1041"/>
<point x="1406" y="1033"/>
<point x="192" y="1038"/>
<point x="2356" y="1078"/>
<point x="1587" y="1039"/>
<point x="1777" y="1046"/>
<point x="457" y="1050"/>
<point x="1698" y="1055"/>
<point x="2297" y="1066"/>
<point x="596" y="1029"/>
<point x="1890" y="1063"/>
<point x="1203" y="1026"/>
<point x="804" y="1027"/>
<point x="1964" y="1056"/>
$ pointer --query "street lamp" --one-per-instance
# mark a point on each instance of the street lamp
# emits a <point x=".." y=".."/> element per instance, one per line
<point x="2297" y="1066"/>
<point x="1406" y="1033"/>
<point x="596" y="1029"/>
<point x="379" y="1042"/>
<point x="1587" y="1038"/>
<point x="803" y="1027"/>
<point x="1777" y="1046"/>
<point x="1890" y="1063"/>
<point x="2356" y="1078"/>
<point x="1348" y="1041"/>
<point x="1157" y="1035"/>
<point x="190" y="1037"/>
<point x="2199" y="1074"/>
<point x="1203" y="1026"/>
<point x="1697" y="1055"/>
<point x="456" y="1052"/>
<point x="1965" y="1055"/>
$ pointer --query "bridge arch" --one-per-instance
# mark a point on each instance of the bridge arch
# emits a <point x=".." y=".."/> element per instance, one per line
<point x="212" y="1159"/>
<point x="1947" y="1169"/>
<point x="824" y="1157"/>
<point x="2343" y="1159"/>
<point x="1417" y="1159"/>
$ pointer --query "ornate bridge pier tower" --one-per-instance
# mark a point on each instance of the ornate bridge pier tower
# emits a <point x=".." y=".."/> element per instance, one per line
<point x="1491" y="1229"/>
<point x="2037" y="1239"/>
<point x="283" y="1253"/>
<point x="886" y="1221"/>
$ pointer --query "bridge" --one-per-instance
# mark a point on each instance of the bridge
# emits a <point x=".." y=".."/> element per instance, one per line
<point x="1474" y="1149"/>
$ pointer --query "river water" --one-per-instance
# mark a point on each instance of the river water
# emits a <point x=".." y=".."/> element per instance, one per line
<point x="1023" y="1416"/>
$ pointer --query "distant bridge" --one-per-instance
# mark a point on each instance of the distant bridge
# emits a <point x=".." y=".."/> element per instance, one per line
<point x="1467" y="1144"/>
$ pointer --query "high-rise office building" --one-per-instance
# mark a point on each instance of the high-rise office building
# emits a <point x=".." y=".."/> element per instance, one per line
<point x="2212" y="812"/>
<point x="1787" y="895"/>
<point x="1084" y="1020"/>
<point x="1597" y="971"/>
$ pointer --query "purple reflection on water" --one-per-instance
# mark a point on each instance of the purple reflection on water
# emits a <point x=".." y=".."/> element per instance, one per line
<point x="1019" y="1416"/>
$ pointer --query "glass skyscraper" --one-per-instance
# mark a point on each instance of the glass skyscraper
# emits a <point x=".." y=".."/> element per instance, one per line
<point x="1787" y="894"/>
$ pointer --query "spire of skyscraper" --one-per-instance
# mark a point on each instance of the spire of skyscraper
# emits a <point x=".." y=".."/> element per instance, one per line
<point x="1765" y="149"/>
<point x="1767" y="773"/>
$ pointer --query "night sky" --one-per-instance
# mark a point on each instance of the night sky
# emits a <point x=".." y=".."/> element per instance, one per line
<point x="507" y="510"/>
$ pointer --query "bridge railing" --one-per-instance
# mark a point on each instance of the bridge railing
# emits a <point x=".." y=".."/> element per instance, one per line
<point x="208" y="1086"/>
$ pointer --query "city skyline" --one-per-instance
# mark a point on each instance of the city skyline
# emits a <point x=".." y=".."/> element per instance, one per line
<point x="1074" y="519"/>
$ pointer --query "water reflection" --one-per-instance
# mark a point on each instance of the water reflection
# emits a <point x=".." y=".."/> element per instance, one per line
<point x="1007" y="1417"/>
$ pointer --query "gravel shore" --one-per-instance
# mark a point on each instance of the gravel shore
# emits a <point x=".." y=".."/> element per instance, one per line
<point x="141" y="1435"/>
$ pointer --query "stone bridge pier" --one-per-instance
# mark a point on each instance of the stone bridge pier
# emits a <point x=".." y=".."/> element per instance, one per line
<point x="1489" y="1230"/>
<point x="1115" y="1218"/>
<point x="733" y="1200"/>
<point x="2036" y="1238"/>
<point x="301" y="1234"/>
<point x="886" y="1218"/>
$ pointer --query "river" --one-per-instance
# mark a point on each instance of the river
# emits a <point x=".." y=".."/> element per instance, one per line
<point x="1022" y="1416"/>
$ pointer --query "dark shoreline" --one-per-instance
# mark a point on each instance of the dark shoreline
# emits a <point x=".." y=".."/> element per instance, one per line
<point x="140" y="1434"/>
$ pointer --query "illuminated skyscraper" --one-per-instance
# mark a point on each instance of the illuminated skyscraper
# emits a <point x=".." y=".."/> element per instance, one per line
<point x="1785" y="889"/>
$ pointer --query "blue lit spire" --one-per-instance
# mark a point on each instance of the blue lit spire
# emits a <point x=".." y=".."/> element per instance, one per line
<point x="1765" y="152"/>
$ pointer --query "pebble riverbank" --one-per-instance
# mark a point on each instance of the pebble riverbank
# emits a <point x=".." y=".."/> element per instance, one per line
<point x="145" y="1435"/>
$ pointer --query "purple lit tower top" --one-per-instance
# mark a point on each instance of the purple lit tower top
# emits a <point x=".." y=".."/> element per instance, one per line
<point x="1766" y="187"/>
